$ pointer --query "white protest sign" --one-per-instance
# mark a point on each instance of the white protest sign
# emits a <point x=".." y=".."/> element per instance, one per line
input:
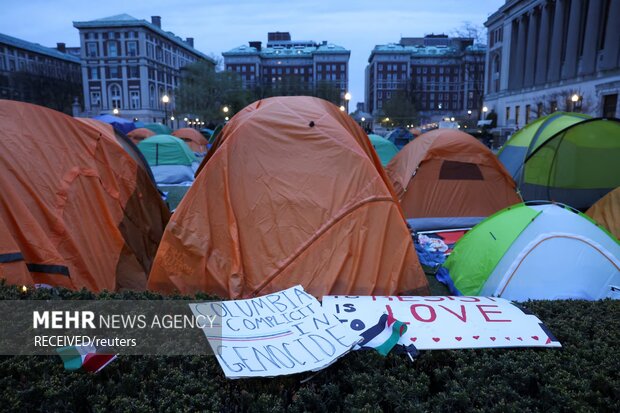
<point x="282" y="333"/>
<point x="435" y="323"/>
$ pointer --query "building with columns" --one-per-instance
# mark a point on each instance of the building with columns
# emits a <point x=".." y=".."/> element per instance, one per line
<point x="444" y="75"/>
<point x="285" y="66"/>
<point x="548" y="55"/>
<point x="129" y="64"/>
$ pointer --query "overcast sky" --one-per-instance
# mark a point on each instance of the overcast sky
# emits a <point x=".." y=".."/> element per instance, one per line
<point x="220" y="25"/>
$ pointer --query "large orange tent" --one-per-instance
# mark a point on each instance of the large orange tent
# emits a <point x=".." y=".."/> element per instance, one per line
<point x="75" y="208"/>
<point x="140" y="134"/>
<point x="194" y="139"/>
<point x="606" y="212"/>
<point x="446" y="174"/>
<point x="293" y="194"/>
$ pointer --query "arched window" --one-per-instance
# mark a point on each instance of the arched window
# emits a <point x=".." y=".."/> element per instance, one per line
<point x="115" y="96"/>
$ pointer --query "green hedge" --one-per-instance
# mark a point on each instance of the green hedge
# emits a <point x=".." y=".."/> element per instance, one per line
<point x="582" y="376"/>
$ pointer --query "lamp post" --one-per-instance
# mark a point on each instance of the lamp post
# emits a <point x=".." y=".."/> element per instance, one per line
<point x="576" y="99"/>
<point x="115" y="111"/>
<point x="165" y="99"/>
<point x="347" y="98"/>
<point x="342" y="108"/>
<point x="484" y="112"/>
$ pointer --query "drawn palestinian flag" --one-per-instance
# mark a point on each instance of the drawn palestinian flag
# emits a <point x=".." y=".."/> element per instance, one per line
<point x="384" y="335"/>
<point x="84" y="357"/>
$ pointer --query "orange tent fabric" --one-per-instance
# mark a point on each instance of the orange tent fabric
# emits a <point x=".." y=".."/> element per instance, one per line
<point x="140" y="134"/>
<point x="75" y="205"/>
<point x="293" y="194"/>
<point x="606" y="212"/>
<point x="448" y="173"/>
<point x="192" y="138"/>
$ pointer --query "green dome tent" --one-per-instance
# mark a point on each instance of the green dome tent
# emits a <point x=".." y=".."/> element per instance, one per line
<point x="565" y="157"/>
<point x="384" y="148"/>
<point x="158" y="128"/>
<point x="166" y="150"/>
<point x="535" y="251"/>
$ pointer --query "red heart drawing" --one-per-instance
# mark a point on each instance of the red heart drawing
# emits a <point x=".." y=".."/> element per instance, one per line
<point x="519" y="338"/>
<point x="508" y="338"/>
<point x="413" y="338"/>
<point x="535" y="337"/>
<point x="548" y="340"/>
<point x="476" y="337"/>
<point x="493" y="338"/>
<point x="436" y="339"/>
<point x="458" y="338"/>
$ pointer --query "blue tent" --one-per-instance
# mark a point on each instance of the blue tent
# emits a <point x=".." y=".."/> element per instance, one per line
<point x="120" y="124"/>
<point x="400" y="137"/>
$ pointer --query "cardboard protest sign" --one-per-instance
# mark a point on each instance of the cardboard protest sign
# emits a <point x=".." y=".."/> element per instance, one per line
<point x="282" y="333"/>
<point x="435" y="323"/>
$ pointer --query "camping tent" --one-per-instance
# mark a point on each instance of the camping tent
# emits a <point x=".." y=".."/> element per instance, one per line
<point x="194" y="139"/>
<point x="385" y="149"/>
<point x="171" y="160"/>
<point x="140" y="134"/>
<point x="166" y="150"/>
<point x="293" y="194"/>
<point x="400" y="137"/>
<point x="121" y="124"/>
<point x="158" y="128"/>
<point x="448" y="179"/>
<point x="536" y="251"/>
<point x="76" y="210"/>
<point x="565" y="157"/>
<point x="606" y="212"/>
<point x="114" y="135"/>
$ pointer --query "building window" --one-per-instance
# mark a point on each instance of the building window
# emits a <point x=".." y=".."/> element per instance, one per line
<point x="610" y="102"/>
<point x="152" y="97"/>
<point x="507" y="113"/>
<point x="115" y="96"/>
<point x="553" y="106"/>
<point x="113" y="72"/>
<point x="342" y="68"/>
<point x="112" y="49"/>
<point x="527" y="114"/>
<point x="91" y="49"/>
<point x="94" y="73"/>
<point x="134" y="72"/>
<point x="517" y="110"/>
<point x="132" y="49"/>
<point x="95" y="98"/>
<point x="134" y="97"/>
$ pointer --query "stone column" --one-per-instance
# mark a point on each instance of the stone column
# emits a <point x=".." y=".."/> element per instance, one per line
<point x="612" y="37"/>
<point x="555" y="52"/>
<point x="530" y="54"/>
<point x="569" y="70"/>
<point x="590" y="46"/>
<point x="514" y="44"/>
<point x="518" y="65"/>
<point x="543" y="45"/>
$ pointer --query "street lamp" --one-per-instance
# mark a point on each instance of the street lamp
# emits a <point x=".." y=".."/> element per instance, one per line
<point x="576" y="99"/>
<point x="115" y="111"/>
<point x="165" y="99"/>
<point x="347" y="98"/>
<point x="225" y="109"/>
<point x="342" y="108"/>
<point x="363" y="119"/>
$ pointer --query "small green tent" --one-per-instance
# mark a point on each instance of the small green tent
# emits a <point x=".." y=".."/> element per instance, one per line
<point x="565" y="157"/>
<point x="166" y="150"/>
<point x="384" y="148"/>
<point x="158" y="128"/>
<point x="535" y="251"/>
